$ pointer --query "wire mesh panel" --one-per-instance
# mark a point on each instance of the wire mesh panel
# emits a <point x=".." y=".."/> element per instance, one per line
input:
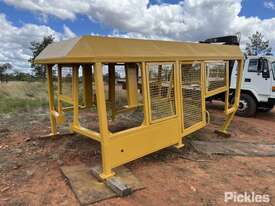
<point x="215" y="73"/>
<point x="161" y="90"/>
<point x="191" y="93"/>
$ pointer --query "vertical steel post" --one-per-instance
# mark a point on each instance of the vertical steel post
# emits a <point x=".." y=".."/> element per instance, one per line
<point x="131" y="84"/>
<point x="145" y="94"/>
<point x="51" y="100"/>
<point x="60" y="118"/>
<point x="103" y="121"/>
<point x="59" y="88"/>
<point x="229" y="117"/>
<point x="239" y="84"/>
<point x="178" y="98"/>
<point x="75" y="90"/>
<point x="203" y="90"/>
<point x="226" y="100"/>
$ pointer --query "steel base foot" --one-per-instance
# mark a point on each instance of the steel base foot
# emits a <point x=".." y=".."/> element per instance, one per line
<point x="223" y="133"/>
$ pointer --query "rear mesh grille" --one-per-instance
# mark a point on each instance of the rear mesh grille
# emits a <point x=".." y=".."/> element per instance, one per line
<point x="191" y="92"/>
<point x="162" y="97"/>
<point x="215" y="75"/>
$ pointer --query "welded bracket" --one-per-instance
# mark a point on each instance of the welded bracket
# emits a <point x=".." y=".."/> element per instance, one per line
<point x="223" y="130"/>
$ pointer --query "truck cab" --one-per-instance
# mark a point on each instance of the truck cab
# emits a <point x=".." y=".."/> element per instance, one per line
<point x="258" y="80"/>
<point x="258" y="85"/>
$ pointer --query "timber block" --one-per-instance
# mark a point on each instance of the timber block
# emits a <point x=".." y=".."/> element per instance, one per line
<point x="84" y="183"/>
<point x="115" y="183"/>
<point x="123" y="183"/>
<point x="118" y="186"/>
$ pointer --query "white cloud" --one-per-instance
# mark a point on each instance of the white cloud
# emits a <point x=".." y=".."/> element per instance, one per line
<point x="188" y="20"/>
<point x="269" y="5"/>
<point x="61" y="9"/>
<point x="68" y="33"/>
<point x="15" y="41"/>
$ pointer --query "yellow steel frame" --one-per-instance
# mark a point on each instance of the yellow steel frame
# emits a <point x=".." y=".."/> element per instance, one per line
<point x="127" y="145"/>
<point x="230" y="112"/>
<point x="131" y="84"/>
<point x="51" y="100"/>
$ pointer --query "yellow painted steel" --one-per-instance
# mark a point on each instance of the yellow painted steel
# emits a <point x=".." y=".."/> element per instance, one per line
<point x="226" y="100"/>
<point x="104" y="132"/>
<point x="51" y="100"/>
<point x="216" y="91"/>
<point x="87" y="49"/>
<point x="131" y="84"/>
<point x="178" y="102"/>
<point x="231" y="112"/>
<point x="118" y="148"/>
<point x="146" y="109"/>
<point x="75" y="90"/>
<point x="59" y="90"/>
<point x="59" y="115"/>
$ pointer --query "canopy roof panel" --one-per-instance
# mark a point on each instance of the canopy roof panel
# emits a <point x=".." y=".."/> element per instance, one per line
<point x="88" y="49"/>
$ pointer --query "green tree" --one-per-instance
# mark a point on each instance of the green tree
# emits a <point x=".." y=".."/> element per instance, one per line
<point x="37" y="47"/>
<point x="3" y="69"/>
<point x="258" y="45"/>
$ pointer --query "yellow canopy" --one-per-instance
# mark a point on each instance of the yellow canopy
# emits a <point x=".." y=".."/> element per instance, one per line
<point x="88" y="49"/>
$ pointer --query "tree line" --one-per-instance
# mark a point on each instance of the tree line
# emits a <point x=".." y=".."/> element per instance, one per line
<point x="257" y="45"/>
<point x="8" y="73"/>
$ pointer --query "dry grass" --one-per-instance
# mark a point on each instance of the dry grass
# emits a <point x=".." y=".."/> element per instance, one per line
<point x="22" y="96"/>
<point x="19" y="95"/>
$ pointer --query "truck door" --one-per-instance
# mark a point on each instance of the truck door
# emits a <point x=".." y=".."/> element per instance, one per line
<point x="273" y="79"/>
<point x="254" y="80"/>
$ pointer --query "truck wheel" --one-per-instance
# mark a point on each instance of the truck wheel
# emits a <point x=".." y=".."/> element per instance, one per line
<point x="247" y="106"/>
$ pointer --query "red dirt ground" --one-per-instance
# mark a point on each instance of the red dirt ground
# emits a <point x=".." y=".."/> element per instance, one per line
<point x="30" y="174"/>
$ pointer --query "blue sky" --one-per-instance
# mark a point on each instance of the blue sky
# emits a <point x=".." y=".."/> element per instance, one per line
<point x="23" y="21"/>
<point x="252" y="8"/>
<point x="83" y="25"/>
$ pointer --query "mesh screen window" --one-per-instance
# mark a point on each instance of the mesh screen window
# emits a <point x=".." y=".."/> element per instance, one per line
<point x="161" y="84"/>
<point x="215" y="73"/>
<point x="191" y="93"/>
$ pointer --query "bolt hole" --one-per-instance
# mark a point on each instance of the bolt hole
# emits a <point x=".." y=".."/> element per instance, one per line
<point x="122" y="150"/>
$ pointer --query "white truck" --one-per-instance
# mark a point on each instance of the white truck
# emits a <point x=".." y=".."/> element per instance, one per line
<point x="258" y="85"/>
<point x="258" y="80"/>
